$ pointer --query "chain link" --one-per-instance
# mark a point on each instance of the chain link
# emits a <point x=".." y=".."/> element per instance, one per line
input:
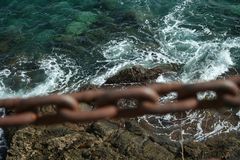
<point x="105" y="101"/>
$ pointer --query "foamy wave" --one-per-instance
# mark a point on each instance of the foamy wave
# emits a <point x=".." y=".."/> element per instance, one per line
<point x="125" y="53"/>
<point x="59" y="73"/>
<point x="203" y="60"/>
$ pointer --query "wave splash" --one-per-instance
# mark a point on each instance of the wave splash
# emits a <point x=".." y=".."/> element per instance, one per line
<point x="204" y="55"/>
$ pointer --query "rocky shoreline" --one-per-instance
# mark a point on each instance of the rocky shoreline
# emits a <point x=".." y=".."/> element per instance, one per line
<point x="125" y="139"/>
<point x="115" y="139"/>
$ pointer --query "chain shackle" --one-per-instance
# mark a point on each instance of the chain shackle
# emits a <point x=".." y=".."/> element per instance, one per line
<point x="26" y="109"/>
<point x="106" y="105"/>
<point x="106" y="101"/>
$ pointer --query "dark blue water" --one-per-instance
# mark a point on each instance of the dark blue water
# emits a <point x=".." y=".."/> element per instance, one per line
<point x="58" y="46"/>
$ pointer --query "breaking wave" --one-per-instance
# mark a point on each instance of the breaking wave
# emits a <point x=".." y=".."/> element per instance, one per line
<point x="203" y="52"/>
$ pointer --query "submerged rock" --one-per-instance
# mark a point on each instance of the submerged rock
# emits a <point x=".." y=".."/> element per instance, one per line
<point x="83" y="21"/>
<point x="4" y="46"/>
<point x="85" y="4"/>
<point x="76" y="28"/>
<point x="110" y="4"/>
<point x="45" y="36"/>
<point x="61" y="5"/>
<point x="87" y="17"/>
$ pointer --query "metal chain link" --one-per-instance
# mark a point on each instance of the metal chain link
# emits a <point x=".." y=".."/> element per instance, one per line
<point x="68" y="107"/>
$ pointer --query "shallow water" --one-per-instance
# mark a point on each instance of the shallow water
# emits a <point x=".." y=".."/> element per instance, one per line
<point x="59" y="46"/>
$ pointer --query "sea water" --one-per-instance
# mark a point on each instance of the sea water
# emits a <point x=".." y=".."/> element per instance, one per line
<point x="60" y="46"/>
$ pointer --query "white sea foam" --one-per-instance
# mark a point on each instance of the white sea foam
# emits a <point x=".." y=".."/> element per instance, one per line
<point x="59" y="70"/>
<point x="201" y="60"/>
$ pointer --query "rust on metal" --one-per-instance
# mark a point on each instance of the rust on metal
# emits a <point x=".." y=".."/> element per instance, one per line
<point x="68" y="107"/>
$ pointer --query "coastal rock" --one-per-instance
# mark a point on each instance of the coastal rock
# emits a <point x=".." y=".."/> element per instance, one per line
<point x="124" y="139"/>
<point x="225" y="146"/>
<point x="231" y="72"/>
<point x="138" y="74"/>
<point x="100" y="140"/>
<point x="112" y="139"/>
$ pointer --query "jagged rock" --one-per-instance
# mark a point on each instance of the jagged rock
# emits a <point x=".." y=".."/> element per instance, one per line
<point x="137" y="74"/>
<point x="102" y="129"/>
<point x="100" y="140"/>
<point x="125" y="139"/>
<point x="231" y="72"/>
<point x="119" y="139"/>
<point x="152" y="150"/>
<point x="225" y="146"/>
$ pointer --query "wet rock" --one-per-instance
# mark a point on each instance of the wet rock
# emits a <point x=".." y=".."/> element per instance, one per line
<point x="127" y="143"/>
<point x="136" y="74"/>
<point x="112" y="140"/>
<point x="134" y="127"/>
<point x="103" y="129"/>
<point x="225" y="146"/>
<point x="47" y="142"/>
<point x="230" y="72"/>
<point x="152" y="150"/>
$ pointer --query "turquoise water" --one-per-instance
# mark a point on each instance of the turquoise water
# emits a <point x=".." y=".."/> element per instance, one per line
<point x="48" y="46"/>
<point x="51" y="46"/>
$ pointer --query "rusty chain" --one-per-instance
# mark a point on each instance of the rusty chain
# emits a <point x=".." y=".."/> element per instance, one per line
<point x="68" y="107"/>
